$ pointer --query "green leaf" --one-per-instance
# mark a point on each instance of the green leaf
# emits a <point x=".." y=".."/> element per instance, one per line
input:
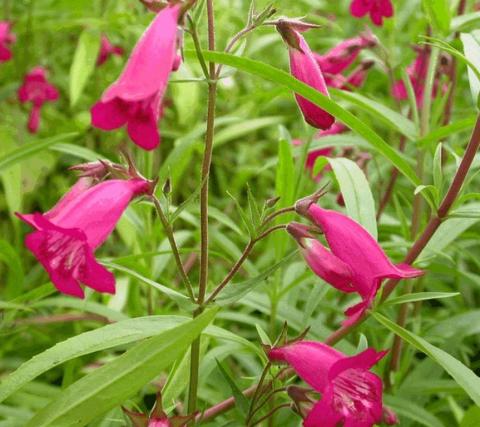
<point x="284" y="79"/>
<point x="113" y="383"/>
<point x="463" y="22"/>
<point x="83" y="64"/>
<point x="437" y="168"/>
<point x="116" y="334"/>
<point x="237" y="130"/>
<point x="11" y="178"/>
<point x="235" y="291"/>
<point x="240" y="400"/>
<point x="471" y="417"/>
<point x="379" y="111"/>
<point x="471" y="48"/>
<point x="28" y="150"/>
<point x="78" y="151"/>
<point x="462" y="375"/>
<point x="182" y="300"/>
<point x="408" y="409"/>
<point x="438" y="12"/>
<point x="420" y="296"/>
<point x="448" y="232"/>
<point x="356" y="193"/>
<point x="285" y="180"/>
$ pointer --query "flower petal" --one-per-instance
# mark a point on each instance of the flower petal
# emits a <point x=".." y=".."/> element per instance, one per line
<point x="311" y="361"/>
<point x="151" y="61"/>
<point x="305" y="68"/>
<point x="96" y="276"/>
<point x="359" y="8"/>
<point x="327" y="266"/>
<point x="322" y="414"/>
<point x="144" y="132"/>
<point x="354" y="245"/>
<point x="109" y="115"/>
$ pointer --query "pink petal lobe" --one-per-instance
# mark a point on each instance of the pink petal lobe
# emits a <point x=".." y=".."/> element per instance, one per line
<point x="109" y="115"/>
<point x="327" y="266"/>
<point x="61" y="254"/>
<point x="359" y="8"/>
<point x="5" y="53"/>
<point x="305" y="68"/>
<point x="322" y="414"/>
<point x="151" y="61"/>
<point x="311" y="361"/>
<point x="96" y="276"/>
<point x="144" y="132"/>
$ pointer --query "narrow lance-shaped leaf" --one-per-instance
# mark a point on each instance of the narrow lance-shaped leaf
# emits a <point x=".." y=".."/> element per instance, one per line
<point x="113" y="383"/>
<point x="286" y="80"/>
<point x="463" y="376"/>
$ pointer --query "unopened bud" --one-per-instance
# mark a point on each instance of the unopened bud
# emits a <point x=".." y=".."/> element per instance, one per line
<point x="389" y="417"/>
<point x="99" y="169"/>
<point x="167" y="187"/>
<point x="270" y="203"/>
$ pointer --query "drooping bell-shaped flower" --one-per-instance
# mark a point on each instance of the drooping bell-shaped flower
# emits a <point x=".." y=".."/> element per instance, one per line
<point x="66" y="237"/>
<point x="135" y="98"/>
<point x="7" y="38"/>
<point x="351" y="394"/>
<point x="305" y="68"/>
<point x="354" y="248"/>
<point x="377" y="9"/>
<point x="37" y="90"/>
<point x="339" y="58"/>
<point x="107" y="49"/>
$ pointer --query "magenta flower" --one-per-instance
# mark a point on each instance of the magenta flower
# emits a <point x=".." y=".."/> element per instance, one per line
<point x="134" y="99"/>
<point x="304" y="67"/>
<point x="351" y="394"/>
<point x="378" y="9"/>
<point x="6" y="39"/>
<point x="66" y="237"/>
<point x="339" y="58"/>
<point x="107" y="49"/>
<point x="417" y="73"/>
<point x="355" y="79"/>
<point x="355" y="262"/>
<point x="37" y="90"/>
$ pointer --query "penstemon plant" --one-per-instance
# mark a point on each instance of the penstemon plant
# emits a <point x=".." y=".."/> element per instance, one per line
<point x="273" y="223"/>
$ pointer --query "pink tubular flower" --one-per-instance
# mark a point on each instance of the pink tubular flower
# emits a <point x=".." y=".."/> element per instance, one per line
<point x="37" y="90"/>
<point x="107" y="49"/>
<point x="351" y="394"/>
<point x="360" y="264"/>
<point x="304" y="67"/>
<point x="134" y="99"/>
<point x="417" y="73"/>
<point x="6" y="39"/>
<point x="378" y="9"/>
<point x="343" y="55"/>
<point x="66" y="237"/>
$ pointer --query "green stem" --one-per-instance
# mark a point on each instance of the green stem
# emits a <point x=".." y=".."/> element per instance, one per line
<point x="206" y="163"/>
<point x="173" y="244"/>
